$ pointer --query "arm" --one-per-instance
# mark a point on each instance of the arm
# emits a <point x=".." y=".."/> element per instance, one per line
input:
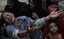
<point x="54" y="14"/>
<point x="13" y="32"/>
<point x="42" y="21"/>
<point x="26" y="32"/>
<point x="22" y="33"/>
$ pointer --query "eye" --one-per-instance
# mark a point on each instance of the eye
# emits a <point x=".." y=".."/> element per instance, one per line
<point x="7" y="15"/>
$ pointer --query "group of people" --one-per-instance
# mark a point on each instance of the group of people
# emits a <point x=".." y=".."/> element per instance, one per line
<point x="17" y="19"/>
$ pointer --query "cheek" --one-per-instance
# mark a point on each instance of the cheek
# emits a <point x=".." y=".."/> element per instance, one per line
<point x="6" y="20"/>
<point x="56" y="28"/>
<point x="51" y="29"/>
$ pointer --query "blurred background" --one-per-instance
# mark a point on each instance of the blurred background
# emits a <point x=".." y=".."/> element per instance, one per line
<point x="4" y="2"/>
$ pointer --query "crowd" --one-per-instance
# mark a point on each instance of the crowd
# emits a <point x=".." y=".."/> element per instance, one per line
<point x="19" y="20"/>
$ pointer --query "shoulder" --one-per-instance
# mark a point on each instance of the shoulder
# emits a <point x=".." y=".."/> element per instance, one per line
<point x="23" y="18"/>
<point x="59" y="35"/>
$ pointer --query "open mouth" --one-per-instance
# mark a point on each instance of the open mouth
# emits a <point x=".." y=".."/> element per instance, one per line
<point x="9" y="18"/>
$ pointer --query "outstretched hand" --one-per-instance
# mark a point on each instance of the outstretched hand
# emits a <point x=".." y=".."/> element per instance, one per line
<point x="31" y="29"/>
<point x="55" y="13"/>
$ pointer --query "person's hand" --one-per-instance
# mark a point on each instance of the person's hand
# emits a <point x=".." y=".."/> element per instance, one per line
<point x="32" y="29"/>
<point x="55" y="13"/>
<point x="34" y="15"/>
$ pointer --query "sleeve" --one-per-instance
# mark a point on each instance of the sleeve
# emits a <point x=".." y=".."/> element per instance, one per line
<point x="29" y="20"/>
<point x="12" y="32"/>
<point x="26" y="19"/>
<point x="40" y="22"/>
<point x="21" y="17"/>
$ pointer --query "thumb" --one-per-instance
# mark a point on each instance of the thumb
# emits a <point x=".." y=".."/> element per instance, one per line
<point x="28" y="27"/>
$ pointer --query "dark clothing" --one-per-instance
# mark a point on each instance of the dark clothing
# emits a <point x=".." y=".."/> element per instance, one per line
<point x="19" y="9"/>
<point x="38" y="8"/>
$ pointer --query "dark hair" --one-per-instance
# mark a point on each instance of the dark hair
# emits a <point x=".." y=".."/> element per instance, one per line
<point x="3" y="18"/>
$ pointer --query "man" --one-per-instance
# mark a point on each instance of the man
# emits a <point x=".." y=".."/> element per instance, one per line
<point x="22" y="27"/>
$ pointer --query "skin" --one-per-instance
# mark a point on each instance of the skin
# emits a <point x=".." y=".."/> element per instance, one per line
<point x="53" y="28"/>
<point x="51" y="9"/>
<point x="53" y="32"/>
<point x="9" y="18"/>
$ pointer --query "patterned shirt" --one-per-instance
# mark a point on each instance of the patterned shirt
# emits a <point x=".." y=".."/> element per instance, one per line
<point x="24" y="21"/>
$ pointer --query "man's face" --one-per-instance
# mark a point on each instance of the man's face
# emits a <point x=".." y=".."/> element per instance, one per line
<point x="8" y="17"/>
<point x="53" y="28"/>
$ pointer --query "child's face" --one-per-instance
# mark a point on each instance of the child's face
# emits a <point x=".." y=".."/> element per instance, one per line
<point x="53" y="28"/>
<point x="8" y="17"/>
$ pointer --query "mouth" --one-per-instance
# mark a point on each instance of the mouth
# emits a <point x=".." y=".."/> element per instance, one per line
<point x="9" y="18"/>
<point x="54" y="30"/>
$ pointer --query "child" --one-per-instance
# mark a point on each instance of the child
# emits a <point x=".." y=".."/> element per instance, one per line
<point x="53" y="32"/>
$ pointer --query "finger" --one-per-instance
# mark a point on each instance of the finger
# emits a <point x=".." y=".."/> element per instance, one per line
<point x="28" y="27"/>
<point x="59" y="11"/>
<point x="54" y="10"/>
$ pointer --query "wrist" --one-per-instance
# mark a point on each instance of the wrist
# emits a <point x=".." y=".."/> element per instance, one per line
<point x="48" y="17"/>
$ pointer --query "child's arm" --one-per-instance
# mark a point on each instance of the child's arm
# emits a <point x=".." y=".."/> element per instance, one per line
<point x="26" y="32"/>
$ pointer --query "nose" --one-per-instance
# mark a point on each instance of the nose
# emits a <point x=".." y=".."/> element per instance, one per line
<point x="7" y="16"/>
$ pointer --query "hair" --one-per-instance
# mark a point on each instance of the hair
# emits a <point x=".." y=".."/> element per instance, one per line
<point x="53" y="6"/>
<point x="4" y="33"/>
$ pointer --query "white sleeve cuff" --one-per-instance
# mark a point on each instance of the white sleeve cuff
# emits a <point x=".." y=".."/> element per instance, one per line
<point x="15" y="34"/>
<point x="40" y="22"/>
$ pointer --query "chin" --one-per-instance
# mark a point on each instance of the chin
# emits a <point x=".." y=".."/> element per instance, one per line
<point x="54" y="32"/>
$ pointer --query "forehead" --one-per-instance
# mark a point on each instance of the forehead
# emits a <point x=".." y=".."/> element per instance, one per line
<point x="52" y="8"/>
<point x="52" y="24"/>
<point x="7" y="13"/>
